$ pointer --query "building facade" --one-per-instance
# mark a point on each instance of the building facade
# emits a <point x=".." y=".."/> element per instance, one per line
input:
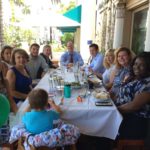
<point x="123" y="23"/>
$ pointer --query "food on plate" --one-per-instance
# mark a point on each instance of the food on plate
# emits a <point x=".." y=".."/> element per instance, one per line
<point x="101" y="95"/>
<point x="75" y="84"/>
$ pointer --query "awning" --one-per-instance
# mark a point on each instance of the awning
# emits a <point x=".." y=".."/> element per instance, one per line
<point x="74" y="14"/>
<point x="67" y="29"/>
<point x="47" y="19"/>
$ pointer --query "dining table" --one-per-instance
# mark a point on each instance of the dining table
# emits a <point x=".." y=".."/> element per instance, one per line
<point x="92" y="120"/>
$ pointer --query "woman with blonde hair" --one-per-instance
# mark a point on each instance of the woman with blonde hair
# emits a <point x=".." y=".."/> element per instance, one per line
<point x="47" y="55"/>
<point x="123" y="59"/>
<point x="109" y="65"/>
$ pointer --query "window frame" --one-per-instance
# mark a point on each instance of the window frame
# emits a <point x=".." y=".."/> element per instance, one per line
<point x="133" y="15"/>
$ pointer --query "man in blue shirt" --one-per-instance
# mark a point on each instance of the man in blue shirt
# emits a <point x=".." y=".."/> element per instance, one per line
<point x="71" y="56"/>
<point x="96" y="63"/>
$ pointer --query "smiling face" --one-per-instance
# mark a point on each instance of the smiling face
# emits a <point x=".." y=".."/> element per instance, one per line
<point x="20" y="59"/>
<point x="93" y="51"/>
<point x="7" y="55"/>
<point x="123" y="58"/>
<point x="47" y="51"/>
<point x="70" y="46"/>
<point x="139" y="68"/>
<point x="109" y="58"/>
<point x="34" y="51"/>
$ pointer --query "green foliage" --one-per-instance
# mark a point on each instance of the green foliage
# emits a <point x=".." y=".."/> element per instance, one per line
<point x="58" y="48"/>
<point x="18" y="2"/>
<point x="67" y="37"/>
<point x="15" y="35"/>
<point x="26" y="10"/>
<point x="21" y="4"/>
<point x="64" y="8"/>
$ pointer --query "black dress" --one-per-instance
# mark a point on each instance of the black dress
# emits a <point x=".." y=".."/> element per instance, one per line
<point x="48" y="61"/>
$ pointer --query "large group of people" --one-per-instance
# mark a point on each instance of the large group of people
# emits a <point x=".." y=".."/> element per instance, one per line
<point x="125" y="76"/>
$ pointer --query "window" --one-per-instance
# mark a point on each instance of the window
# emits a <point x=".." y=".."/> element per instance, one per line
<point x="139" y="30"/>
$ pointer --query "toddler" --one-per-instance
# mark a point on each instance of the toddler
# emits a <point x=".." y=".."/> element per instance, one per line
<point x="39" y="119"/>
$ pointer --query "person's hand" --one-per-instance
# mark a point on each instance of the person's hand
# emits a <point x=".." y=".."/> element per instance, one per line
<point x="55" y="65"/>
<point x="54" y="106"/>
<point x="99" y="75"/>
<point x="90" y="69"/>
<point x="126" y="78"/>
<point x="51" y="102"/>
<point x="82" y="69"/>
<point x="69" y="65"/>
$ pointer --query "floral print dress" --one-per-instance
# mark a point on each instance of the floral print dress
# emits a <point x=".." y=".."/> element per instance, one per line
<point x="127" y="93"/>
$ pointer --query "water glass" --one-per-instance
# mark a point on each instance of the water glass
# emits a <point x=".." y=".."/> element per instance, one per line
<point x="76" y="67"/>
<point x="51" y="85"/>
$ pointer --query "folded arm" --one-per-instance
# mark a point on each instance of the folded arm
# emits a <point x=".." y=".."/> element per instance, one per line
<point x="138" y="102"/>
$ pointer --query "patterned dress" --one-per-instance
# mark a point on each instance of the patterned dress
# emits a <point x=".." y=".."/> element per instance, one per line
<point x="135" y="124"/>
<point x="119" y="78"/>
<point x="128" y="92"/>
<point x="4" y="130"/>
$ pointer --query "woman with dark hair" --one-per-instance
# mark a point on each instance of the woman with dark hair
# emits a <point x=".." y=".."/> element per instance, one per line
<point x="133" y="99"/>
<point x="4" y="89"/>
<point x="18" y="77"/>
<point x="6" y="55"/>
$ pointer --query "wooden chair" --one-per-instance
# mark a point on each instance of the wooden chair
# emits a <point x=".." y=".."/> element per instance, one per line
<point x="10" y="146"/>
<point x="124" y="144"/>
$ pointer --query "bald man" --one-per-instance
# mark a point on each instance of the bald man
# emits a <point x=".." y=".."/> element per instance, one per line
<point x="71" y="56"/>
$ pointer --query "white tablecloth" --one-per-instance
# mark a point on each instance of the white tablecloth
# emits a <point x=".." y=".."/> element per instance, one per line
<point x="101" y="121"/>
